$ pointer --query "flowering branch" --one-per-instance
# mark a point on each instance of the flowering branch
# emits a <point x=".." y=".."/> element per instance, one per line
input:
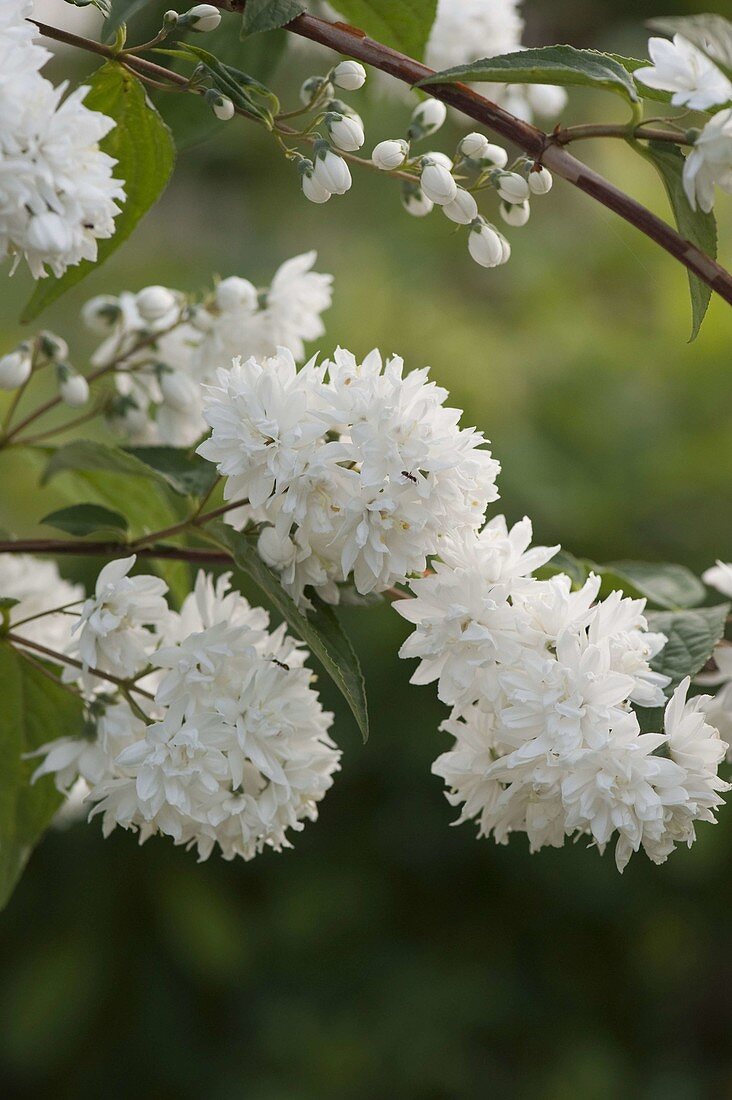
<point x="546" y="149"/>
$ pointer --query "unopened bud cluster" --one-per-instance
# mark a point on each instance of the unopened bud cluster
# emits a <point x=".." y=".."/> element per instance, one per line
<point x="327" y="173"/>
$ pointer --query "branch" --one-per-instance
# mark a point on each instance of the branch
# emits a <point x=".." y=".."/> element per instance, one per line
<point x="542" y="147"/>
<point x="81" y="548"/>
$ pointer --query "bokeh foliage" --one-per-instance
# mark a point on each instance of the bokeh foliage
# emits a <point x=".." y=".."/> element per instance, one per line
<point x="388" y="954"/>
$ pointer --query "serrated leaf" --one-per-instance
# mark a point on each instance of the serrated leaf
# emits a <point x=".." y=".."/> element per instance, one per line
<point x="187" y="474"/>
<point x="143" y="147"/>
<point x="694" y="225"/>
<point x="405" y="25"/>
<point x="87" y="519"/>
<point x="320" y="629"/>
<point x="692" y="636"/>
<point x="712" y="34"/>
<point x="664" y="584"/>
<point x="34" y="711"/>
<point x="546" y="65"/>
<point x="269" y="15"/>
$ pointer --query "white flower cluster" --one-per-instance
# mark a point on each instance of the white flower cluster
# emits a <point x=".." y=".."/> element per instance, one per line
<point x="226" y="744"/>
<point x="163" y="347"/>
<point x="356" y="470"/>
<point x="431" y="179"/>
<point x="57" y="193"/>
<point x="541" y="680"/>
<point x="39" y="589"/>
<point x="47" y="349"/>
<point x="698" y="83"/>
<point x="720" y="707"/>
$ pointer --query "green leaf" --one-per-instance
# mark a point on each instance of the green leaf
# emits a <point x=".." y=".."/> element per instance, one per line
<point x="6" y="602"/>
<point x="666" y="585"/>
<point x="405" y="25"/>
<point x="104" y="6"/>
<point x="694" y="225"/>
<point x="143" y="147"/>
<point x="712" y="34"/>
<point x="692" y="636"/>
<point x="87" y="519"/>
<point x="34" y="711"/>
<point x="108" y="475"/>
<point x="320" y="629"/>
<point x="546" y="65"/>
<point x="122" y="12"/>
<point x="577" y="569"/>
<point x="269" y="15"/>
<point x="187" y="474"/>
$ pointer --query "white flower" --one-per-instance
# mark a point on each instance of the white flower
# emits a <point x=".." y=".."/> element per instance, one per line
<point x="112" y="626"/>
<point x="349" y="75"/>
<point x="345" y="131"/>
<point x="415" y="202"/>
<point x="312" y="188"/>
<point x="15" y="368"/>
<point x="223" y="108"/>
<point x="157" y="303"/>
<point x="429" y="116"/>
<point x="57" y="194"/>
<point x="486" y="245"/>
<point x="39" y="588"/>
<point x="540" y="181"/>
<point x="296" y="300"/>
<point x="74" y="390"/>
<point x="203" y="17"/>
<point x="390" y="154"/>
<point x="515" y="214"/>
<point x="331" y="172"/>
<point x="512" y="187"/>
<point x="710" y="162"/>
<point x="719" y="576"/>
<point x="437" y="182"/>
<point x="100" y="314"/>
<point x="235" y="293"/>
<point x="463" y="208"/>
<point x="681" y="68"/>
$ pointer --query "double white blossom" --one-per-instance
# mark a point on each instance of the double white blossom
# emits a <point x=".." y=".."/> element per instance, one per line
<point x="233" y="751"/>
<point x="709" y="163"/>
<point x="681" y="68"/>
<point x="540" y="679"/>
<point x="359" y="468"/>
<point x="57" y="193"/>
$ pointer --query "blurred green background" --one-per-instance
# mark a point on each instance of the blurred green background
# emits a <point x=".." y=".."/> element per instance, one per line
<point x="389" y="955"/>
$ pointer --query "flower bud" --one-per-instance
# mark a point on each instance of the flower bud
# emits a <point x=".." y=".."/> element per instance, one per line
<point x="494" y="156"/>
<point x="200" y="318"/>
<point x="331" y="171"/>
<point x="463" y="208"/>
<point x="15" y="368"/>
<point x="312" y="188"/>
<point x="203" y="18"/>
<point x="415" y="202"/>
<point x="438" y="158"/>
<point x="540" y="181"/>
<point x="349" y="75"/>
<point x="512" y="187"/>
<point x="74" y="389"/>
<point x="473" y="145"/>
<point x="178" y="389"/>
<point x="155" y="302"/>
<point x="315" y="87"/>
<point x="486" y="245"/>
<point x="390" y="154"/>
<point x="52" y="346"/>
<point x="125" y="415"/>
<point x="223" y="108"/>
<point x="429" y="116"/>
<point x="170" y="18"/>
<point x="275" y="550"/>
<point x="49" y="234"/>
<point x="101" y="313"/>
<point x="515" y="214"/>
<point x="437" y="183"/>
<point x="236" y="293"/>
<point x="345" y="132"/>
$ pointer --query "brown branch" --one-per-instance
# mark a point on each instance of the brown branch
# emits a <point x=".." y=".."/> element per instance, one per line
<point x="354" y="43"/>
<point x="192" y="554"/>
